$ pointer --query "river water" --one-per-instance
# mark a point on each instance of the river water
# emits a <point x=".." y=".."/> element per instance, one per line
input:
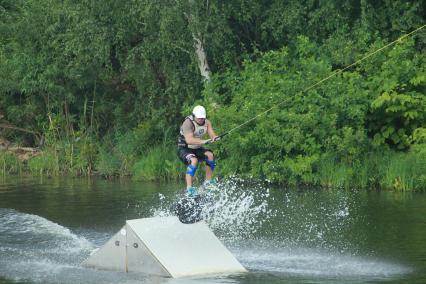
<point x="49" y="226"/>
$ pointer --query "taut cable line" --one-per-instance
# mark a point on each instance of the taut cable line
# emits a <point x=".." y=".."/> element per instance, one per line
<point x="326" y="78"/>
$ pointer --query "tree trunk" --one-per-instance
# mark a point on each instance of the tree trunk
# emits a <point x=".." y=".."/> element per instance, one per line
<point x="203" y="63"/>
<point x="199" y="44"/>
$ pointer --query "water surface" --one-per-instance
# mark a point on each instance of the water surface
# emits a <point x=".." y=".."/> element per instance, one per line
<point x="49" y="226"/>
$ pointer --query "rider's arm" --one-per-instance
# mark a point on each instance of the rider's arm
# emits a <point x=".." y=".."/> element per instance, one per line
<point x="210" y="130"/>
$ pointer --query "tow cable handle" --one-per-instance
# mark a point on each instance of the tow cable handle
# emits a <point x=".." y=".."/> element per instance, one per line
<point x="209" y="141"/>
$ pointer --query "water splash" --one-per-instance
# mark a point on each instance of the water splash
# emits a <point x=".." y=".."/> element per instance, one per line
<point x="318" y="219"/>
<point x="307" y="262"/>
<point x="164" y="207"/>
<point x="33" y="247"/>
<point x="25" y="230"/>
<point x="289" y="232"/>
<point x="234" y="210"/>
<point x="238" y="210"/>
<point x="36" y="250"/>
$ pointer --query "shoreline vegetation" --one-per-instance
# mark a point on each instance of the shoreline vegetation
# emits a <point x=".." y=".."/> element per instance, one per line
<point x="379" y="171"/>
<point x="101" y="87"/>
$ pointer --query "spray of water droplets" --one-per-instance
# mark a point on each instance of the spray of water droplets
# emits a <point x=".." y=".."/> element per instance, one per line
<point x="317" y="219"/>
<point x="234" y="211"/>
<point x="240" y="210"/>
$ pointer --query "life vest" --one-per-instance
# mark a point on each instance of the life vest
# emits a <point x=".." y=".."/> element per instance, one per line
<point x="198" y="132"/>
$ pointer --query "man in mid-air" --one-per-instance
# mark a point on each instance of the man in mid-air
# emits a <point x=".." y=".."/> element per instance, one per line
<point x="190" y="146"/>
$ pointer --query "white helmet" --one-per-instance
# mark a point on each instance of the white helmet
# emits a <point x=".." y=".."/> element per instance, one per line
<point x="199" y="112"/>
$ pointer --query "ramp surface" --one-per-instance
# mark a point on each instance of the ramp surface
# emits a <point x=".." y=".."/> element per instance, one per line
<point x="166" y="247"/>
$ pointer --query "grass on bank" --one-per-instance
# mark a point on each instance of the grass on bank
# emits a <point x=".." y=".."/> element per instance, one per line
<point x="160" y="163"/>
<point x="10" y="164"/>
<point x="385" y="170"/>
<point x="45" y="164"/>
<point x="388" y="170"/>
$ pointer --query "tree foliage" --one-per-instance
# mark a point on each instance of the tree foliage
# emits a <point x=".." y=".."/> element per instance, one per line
<point x="105" y="81"/>
<point x="346" y="115"/>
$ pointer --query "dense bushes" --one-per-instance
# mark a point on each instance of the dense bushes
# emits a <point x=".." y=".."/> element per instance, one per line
<point x="327" y="134"/>
<point x="101" y="87"/>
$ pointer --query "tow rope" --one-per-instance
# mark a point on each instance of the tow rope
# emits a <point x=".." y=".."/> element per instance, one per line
<point x="323" y="80"/>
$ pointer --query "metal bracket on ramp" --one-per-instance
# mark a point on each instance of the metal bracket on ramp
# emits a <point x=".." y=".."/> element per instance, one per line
<point x="164" y="246"/>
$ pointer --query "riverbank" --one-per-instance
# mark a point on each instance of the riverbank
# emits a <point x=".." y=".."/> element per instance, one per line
<point x="384" y="170"/>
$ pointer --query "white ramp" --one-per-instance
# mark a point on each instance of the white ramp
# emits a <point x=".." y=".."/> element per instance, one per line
<point x="112" y="256"/>
<point x="166" y="247"/>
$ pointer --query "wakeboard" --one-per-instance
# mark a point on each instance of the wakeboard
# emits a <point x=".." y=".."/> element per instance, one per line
<point x="190" y="209"/>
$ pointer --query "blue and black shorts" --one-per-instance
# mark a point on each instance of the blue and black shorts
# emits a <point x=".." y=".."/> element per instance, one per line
<point x="185" y="154"/>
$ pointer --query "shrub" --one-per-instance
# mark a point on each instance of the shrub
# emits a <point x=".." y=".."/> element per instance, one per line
<point x="9" y="163"/>
<point x="159" y="163"/>
<point x="47" y="163"/>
